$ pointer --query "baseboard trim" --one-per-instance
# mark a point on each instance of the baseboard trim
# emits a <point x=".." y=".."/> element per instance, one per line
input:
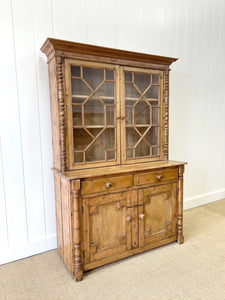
<point x="16" y="252"/>
<point x="203" y="199"/>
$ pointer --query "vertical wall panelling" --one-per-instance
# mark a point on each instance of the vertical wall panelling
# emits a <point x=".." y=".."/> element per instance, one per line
<point x="29" y="117"/>
<point x="3" y="212"/>
<point x="94" y="21"/>
<point x="61" y="19"/>
<point x="42" y="27"/>
<point x="10" y="130"/>
<point x="109" y="22"/>
<point x="129" y="25"/>
<point x="78" y="19"/>
<point x="191" y="30"/>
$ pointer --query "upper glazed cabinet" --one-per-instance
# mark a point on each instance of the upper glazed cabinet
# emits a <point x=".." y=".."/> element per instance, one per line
<point x="114" y="114"/>
<point x="114" y="111"/>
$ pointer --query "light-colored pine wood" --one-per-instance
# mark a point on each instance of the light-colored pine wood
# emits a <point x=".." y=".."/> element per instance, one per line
<point x="110" y="209"/>
<point x="105" y="239"/>
<point x="157" y="213"/>
<point x="107" y="184"/>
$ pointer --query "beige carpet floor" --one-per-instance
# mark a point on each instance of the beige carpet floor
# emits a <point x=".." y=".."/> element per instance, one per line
<point x="194" y="270"/>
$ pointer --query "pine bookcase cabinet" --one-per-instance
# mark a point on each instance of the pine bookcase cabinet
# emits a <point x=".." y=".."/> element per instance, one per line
<point x="116" y="192"/>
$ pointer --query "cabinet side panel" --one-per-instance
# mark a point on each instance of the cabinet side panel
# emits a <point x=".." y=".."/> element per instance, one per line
<point x="54" y="114"/>
<point x="58" y="210"/>
<point x="66" y="223"/>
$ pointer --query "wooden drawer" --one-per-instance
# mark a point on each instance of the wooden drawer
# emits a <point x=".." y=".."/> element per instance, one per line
<point x="157" y="176"/>
<point x="106" y="184"/>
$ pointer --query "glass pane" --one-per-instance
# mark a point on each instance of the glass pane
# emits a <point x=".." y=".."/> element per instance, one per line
<point x="131" y="92"/>
<point x="93" y="112"/>
<point x="78" y="157"/>
<point x="128" y="111"/>
<point x="155" y="79"/>
<point x="110" y="155"/>
<point x="110" y="116"/>
<point x="79" y="87"/>
<point x="154" y="103"/>
<point x="153" y="92"/>
<point x="75" y="71"/>
<point x="155" y="116"/>
<point x="128" y="76"/>
<point x="94" y="131"/>
<point x="142" y="81"/>
<point x="142" y="113"/>
<point x="81" y="139"/>
<point x="153" y="136"/>
<point x="142" y="149"/>
<point x="155" y="151"/>
<point x="130" y="102"/>
<point x="77" y="115"/>
<point x="106" y="90"/>
<point x="93" y="76"/>
<point x="107" y="138"/>
<point x="129" y="153"/>
<point x="109" y="74"/>
<point x="142" y="130"/>
<point x="131" y="137"/>
<point x="78" y="99"/>
<point x="95" y="153"/>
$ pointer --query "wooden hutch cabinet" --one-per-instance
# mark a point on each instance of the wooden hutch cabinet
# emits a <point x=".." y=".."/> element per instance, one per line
<point x="116" y="192"/>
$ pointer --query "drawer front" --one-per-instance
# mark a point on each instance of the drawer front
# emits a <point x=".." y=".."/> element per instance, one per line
<point x="106" y="184"/>
<point x="157" y="176"/>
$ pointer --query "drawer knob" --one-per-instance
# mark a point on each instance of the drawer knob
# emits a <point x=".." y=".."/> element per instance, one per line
<point x="159" y="177"/>
<point x="128" y="218"/>
<point x="141" y="216"/>
<point x="108" y="185"/>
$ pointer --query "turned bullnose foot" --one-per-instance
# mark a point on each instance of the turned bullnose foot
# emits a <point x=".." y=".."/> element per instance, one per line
<point x="180" y="240"/>
<point x="78" y="276"/>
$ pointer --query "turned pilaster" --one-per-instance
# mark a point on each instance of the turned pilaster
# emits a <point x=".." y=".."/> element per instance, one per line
<point x="166" y="114"/>
<point x="180" y="237"/>
<point x="76" y="229"/>
<point x="62" y="117"/>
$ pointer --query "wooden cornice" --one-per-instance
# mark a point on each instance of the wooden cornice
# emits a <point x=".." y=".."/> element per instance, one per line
<point x="53" y="47"/>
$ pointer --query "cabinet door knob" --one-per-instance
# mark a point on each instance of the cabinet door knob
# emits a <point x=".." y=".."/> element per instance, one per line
<point x="159" y="177"/>
<point x="128" y="218"/>
<point x="141" y="216"/>
<point x="108" y="185"/>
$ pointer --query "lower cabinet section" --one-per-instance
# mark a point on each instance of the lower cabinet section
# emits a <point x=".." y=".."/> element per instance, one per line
<point x="112" y="227"/>
<point x="126" y="215"/>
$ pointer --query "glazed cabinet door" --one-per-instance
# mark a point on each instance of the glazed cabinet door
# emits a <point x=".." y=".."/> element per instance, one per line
<point x="92" y="108"/>
<point x="106" y="226"/>
<point x="141" y="114"/>
<point x="157" y="213"/>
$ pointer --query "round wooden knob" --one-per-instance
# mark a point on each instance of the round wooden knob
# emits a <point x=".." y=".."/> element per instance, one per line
<point x="141" y="216"/>
<point x="159" y="177"/>
<point x="108" y="185"/>
<point x="128" y="218"/>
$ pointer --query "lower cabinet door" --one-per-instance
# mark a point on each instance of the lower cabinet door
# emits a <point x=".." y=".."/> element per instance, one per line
<point x="157" y="213"/>
<point x="106" y="226"/>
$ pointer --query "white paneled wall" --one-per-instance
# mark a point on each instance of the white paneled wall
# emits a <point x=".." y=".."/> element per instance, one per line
<point x="191" y="30"/>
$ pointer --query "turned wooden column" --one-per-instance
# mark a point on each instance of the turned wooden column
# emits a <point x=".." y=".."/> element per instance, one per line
<point x="76" y="229"/>
<point x="180" y="237"/>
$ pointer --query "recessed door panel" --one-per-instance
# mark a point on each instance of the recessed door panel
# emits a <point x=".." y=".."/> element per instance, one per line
<point x="157" y="213"/>
<point x="107" y="226"/>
